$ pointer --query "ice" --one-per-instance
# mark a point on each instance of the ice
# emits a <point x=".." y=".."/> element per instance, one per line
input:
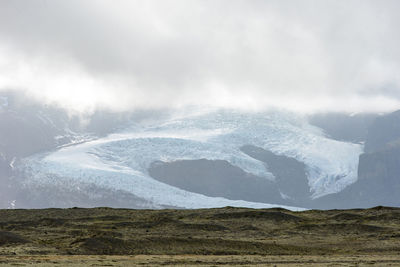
<point x="120" y="161"/>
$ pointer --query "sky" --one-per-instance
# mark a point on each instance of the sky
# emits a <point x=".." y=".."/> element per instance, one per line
<point x="305" y="56"/>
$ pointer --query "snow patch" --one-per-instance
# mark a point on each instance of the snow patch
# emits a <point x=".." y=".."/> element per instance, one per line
<point x="12" y="163"/>
<point x="284" y="196"/>
<point x="12" y="205"/>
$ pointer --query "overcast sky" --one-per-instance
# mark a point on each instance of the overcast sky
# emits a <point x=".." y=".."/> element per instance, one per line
<point x="306" y="56"/>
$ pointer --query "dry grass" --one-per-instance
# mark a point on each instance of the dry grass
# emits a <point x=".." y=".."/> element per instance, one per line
<point x="201" y="260"/>
<point x="229" y="236"/>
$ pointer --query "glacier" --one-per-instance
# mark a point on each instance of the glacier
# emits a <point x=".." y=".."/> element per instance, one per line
<point x="121" y="160"/>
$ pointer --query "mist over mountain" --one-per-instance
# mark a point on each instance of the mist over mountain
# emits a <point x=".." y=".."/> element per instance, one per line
<point x="199" y="104"/>
<point x="200" y="158"/>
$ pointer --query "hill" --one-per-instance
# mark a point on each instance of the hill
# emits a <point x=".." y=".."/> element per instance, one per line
<point x="225" y="231"/>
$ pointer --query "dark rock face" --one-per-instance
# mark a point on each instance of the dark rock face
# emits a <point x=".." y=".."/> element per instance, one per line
<point x="290" y="173"/>
<point x="379" y="177"/>
<point x="384" y="132"/>
<point x="344" y="127"/>
<point x="216" y="178"/>
<point x="379" y="168"/>
<point x="378" y="171"/>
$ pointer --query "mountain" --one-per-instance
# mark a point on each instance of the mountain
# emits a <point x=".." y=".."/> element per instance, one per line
<point x="379" y="168"/>
<point x="27" y="128"/>
<point x="290" y="174"/>
<point x="195" y="159"/>
<point x="384" y="133"/>
<point x="344" y="127"/>
<point x="202" y="160"/>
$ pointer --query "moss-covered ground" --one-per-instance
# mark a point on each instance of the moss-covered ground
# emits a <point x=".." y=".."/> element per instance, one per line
<point x="229" y="236"/>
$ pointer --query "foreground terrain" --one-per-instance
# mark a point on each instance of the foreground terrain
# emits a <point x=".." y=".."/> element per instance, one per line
<point x="201" y="260"/>
<point x="104" y="236"/>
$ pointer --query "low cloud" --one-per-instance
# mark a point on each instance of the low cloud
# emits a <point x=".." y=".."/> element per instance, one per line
<point x="304" y="56"/>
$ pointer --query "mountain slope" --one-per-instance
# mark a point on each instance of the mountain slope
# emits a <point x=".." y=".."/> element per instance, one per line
<point x="121" y="161"/>
<point x="379" y="169"/>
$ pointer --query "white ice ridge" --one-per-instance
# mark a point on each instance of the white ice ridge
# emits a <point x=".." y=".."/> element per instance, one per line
<point x="120" y="161"/>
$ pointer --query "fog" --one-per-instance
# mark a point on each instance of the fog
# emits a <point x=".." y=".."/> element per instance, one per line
<point x="305" y="56"/>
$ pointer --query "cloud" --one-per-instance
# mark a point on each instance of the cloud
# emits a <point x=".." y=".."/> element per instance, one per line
<point x="305" y="56"/>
